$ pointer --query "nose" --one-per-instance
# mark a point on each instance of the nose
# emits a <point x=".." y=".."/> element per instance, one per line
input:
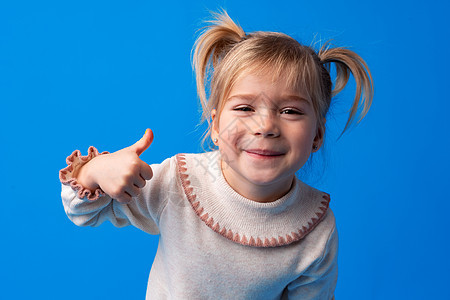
<point x="266" y="125"/>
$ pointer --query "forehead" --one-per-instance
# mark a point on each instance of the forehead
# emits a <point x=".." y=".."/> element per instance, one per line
<point x="295" y="72"/>
<point x="260" y="85"/>
<point x="257" y="80"/>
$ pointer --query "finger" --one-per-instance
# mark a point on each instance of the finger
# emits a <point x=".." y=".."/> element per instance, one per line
<point x="124" y="198"/>
<point x="146" y="171"/>
<point x="140" y="146"/>
<point x="133" y="191"/>
<point x="139" y="181"/>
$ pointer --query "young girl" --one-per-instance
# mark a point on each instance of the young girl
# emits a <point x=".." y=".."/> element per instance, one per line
<point x="234" y="223"/>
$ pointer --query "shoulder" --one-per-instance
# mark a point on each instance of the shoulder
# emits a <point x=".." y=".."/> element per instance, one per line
<point x="205" y="165"/>
<point x="179" y="167"/>
<point x="327" y="227"/>
<point x="178" y="161"/>
<point x="164" y="167"/>
<point x="316" y="205"/>
<point x="206" y="159"/>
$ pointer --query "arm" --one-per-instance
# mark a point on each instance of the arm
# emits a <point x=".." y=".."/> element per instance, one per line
<point x="120" y="175"/>
<point x="319" y="280"/>
<point x="112" y="187"/>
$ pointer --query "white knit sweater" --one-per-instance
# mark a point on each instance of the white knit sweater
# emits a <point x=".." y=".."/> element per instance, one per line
<point x="214" y="243"/>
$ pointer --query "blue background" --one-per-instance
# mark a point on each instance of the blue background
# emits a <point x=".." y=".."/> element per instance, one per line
<point x="81" y="73"/>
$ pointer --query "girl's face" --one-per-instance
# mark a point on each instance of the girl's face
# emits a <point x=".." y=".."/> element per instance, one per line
<point x="266" y="132"/>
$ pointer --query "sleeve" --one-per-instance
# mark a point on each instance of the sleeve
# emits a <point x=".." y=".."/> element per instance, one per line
<point x="319" y="280"/>
<point x="86" y="209"/>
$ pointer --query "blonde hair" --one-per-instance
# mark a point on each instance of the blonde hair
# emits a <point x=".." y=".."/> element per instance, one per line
<point x="223" y="53"/>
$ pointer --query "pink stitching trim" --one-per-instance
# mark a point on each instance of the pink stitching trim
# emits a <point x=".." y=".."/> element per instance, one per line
<point x="66" y="174"/>
<point x="228" y="233"/>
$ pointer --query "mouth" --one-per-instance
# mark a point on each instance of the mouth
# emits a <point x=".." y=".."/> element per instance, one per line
<point x="264" y="153"/>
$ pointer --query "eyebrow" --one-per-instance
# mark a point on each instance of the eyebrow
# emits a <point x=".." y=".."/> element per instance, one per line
<point x="252" y="97"/>
<point x="296" y="98"/>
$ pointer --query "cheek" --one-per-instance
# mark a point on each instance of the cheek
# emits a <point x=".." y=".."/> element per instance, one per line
<point x="231" y="131"/>
<point x="312" y="132"/>
<point x="304" y="138"/>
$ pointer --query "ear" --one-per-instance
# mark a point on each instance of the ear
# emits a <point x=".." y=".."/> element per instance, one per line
<point x="214" y="125"/>
<point x="318" y="139"/>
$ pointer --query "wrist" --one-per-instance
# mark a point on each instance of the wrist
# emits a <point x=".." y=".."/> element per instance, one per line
<point x="85" y="177"/>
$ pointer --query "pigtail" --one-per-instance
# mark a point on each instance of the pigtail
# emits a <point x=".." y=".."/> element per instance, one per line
<point x="346" y="62"/>
<point x="210" y="47"/>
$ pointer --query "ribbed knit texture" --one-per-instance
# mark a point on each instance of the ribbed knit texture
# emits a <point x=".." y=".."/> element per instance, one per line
<point x="276" y="223"/>
<point x="216" y="244"/>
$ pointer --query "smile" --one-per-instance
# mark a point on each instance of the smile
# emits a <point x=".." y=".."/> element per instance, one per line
<point x="263" y="154"/>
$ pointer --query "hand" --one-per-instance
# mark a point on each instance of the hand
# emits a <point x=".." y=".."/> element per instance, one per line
<point x="121" y="174"/>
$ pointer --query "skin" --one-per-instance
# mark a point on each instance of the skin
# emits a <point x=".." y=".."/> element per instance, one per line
<point x="121" y="174"/>
<point x="265" y="133"/>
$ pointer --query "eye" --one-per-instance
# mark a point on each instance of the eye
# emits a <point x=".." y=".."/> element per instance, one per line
<point x="243" y="108"/>
<point x="291" y="111"/>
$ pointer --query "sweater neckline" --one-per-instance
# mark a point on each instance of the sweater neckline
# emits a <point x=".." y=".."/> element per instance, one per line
<point x="238" y="199"/>
<point x="244" y="221"/>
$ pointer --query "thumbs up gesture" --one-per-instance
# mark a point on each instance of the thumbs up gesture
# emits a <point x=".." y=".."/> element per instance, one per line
<point x="121" y="174"/>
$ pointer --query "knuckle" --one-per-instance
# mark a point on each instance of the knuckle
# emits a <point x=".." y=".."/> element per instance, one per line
<point x="148" y="174"/>
<point x="133" y="169"/>
<point x="116" y="192"/>
<point x="134" y="162"/>
<point x="126" y="177"/>
<point x="131" y="192"/>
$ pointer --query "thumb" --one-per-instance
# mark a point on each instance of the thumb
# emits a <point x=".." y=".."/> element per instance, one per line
<point x="140" y="146"/>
